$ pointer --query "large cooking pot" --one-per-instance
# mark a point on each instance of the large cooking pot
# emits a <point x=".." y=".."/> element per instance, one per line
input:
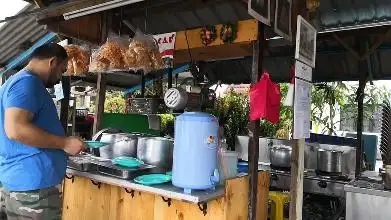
<point x="125" y="145"/>
<point x="156" y="151"/>
<point x="120" y="144"/>
<point x="329" y="161"/>
<point x="280" y="156"/>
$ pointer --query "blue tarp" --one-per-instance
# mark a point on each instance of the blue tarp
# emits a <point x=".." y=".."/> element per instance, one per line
<point x="23" y="57"/>
<point x="176" y="71"/>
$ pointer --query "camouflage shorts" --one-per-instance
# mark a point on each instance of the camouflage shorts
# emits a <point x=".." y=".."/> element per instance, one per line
<point x="3" y="216"/>
<point x="44" y="204"/>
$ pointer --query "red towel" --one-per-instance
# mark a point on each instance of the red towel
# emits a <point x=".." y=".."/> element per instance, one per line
<point x="265" y="98"/>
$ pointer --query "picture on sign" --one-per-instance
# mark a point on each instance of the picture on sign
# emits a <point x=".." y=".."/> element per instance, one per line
<point x="260" y="10"/>
<point x="282" y="19"/>
<point x="305" y="42"/>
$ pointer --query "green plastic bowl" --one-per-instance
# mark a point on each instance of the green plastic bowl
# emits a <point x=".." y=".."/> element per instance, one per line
<point x="153" y="179"/>
<point x="129" y="162"/>
<point x="95" y="144"/>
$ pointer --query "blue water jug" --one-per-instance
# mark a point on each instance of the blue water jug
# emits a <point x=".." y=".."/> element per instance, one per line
<point x="195" y="151"/>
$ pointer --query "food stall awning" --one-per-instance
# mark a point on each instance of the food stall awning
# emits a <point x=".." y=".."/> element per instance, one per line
<point x="333" y="61"/>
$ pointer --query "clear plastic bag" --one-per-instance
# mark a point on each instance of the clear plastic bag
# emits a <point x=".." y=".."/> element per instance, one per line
<point x="97" y="63"/>
<point x="110" y="56"/>
<point x="113" y="50"/>
<point x="147" y="51"/>
<point x="142" y="59"/>
<point x="78" y="59"/>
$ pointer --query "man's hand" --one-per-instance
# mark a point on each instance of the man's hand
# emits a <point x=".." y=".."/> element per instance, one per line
<point x="73" y="145"/>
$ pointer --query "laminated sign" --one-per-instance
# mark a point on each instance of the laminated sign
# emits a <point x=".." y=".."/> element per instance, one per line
<point x="265" y="100"/>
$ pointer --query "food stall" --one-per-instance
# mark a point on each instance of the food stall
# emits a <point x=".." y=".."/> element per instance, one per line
<point x="94" y="190"/>
<point x="113" y="193"/>
<point x="93" y="27"/>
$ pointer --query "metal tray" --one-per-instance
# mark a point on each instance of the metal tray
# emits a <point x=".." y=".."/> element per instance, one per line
<point x="81" y="163"/>
<point x="108" y="168"/>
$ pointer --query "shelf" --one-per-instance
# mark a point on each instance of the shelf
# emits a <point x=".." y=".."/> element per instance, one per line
<point x="122" y="79"/>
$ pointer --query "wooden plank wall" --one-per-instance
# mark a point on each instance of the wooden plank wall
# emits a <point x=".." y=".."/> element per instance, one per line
<point x="242" y="46"/>
<point x="83" y="200"/>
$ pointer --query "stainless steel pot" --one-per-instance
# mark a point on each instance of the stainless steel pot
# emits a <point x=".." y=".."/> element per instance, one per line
<point x="121" y="144"/>
<point x="156" y="151"/>
<point x="107" y="151"/>
<point x="125" y="145"/>
<point x="280" y="156"/>
<point x="329" y="161"/>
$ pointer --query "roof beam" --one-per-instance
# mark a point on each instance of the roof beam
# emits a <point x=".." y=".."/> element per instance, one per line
<point x="39" y="3"/>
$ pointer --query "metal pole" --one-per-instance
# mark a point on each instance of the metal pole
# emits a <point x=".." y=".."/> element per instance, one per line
<point x="66" y="88"/>
<point x="142" y="84"/>
<point x="169" y="77"/>
<point x="253" y="144"/>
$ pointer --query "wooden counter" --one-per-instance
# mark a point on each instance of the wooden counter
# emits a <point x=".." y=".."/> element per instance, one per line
<point x="85" y="199"/>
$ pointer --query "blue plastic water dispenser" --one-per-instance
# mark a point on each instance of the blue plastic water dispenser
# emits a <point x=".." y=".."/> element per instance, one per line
<point x="195" y="151"/>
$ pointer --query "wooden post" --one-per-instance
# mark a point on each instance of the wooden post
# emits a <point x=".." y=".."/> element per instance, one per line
<point x="360" y="117"/>
<point x="253" y="144"/>
<point x="360" y="106"/>
<point x="296" y="187"/>
<point x="297" y="159"/>
<point x="64" y="111"/>
<point x="99" y="102"/>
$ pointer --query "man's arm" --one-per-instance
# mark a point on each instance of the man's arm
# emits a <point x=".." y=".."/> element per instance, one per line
<point x="21" y="103"/>
<point x="18" y="127"/>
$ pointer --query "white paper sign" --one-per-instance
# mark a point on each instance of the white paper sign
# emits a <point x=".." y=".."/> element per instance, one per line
<point x="166" y="43"/>
<point x="58" y="92"/>
<point x="302" y="109"/>
<point x="303" y="71"/>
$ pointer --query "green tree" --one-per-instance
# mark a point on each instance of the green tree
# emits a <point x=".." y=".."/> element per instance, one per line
<point x="115" y="102"/>
<point x="328" y="98"/>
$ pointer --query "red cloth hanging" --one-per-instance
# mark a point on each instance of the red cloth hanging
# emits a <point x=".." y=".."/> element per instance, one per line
<point x="265" y="98"/>
<point x="292" y="72"/>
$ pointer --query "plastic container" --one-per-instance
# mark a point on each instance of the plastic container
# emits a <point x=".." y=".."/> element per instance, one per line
<point x="228" y="165"/>
<point x="243" y="167"/>
<point x="195" y="152"/>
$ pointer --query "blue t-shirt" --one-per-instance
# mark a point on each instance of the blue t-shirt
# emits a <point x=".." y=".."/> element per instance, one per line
<point x="23" y="167"/>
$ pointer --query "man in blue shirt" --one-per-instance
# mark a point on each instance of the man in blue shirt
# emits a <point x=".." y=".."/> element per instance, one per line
<point x="33" y="147"/>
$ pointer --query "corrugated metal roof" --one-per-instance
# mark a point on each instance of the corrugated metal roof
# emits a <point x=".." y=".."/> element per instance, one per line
<point x="176" y="19"/>
<point x="339" y="13"/>
<point x="17" y="32"/>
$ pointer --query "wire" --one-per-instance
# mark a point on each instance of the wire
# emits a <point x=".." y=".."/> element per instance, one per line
<point x="146" y="17"/>
<point x="188" y="47"/>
